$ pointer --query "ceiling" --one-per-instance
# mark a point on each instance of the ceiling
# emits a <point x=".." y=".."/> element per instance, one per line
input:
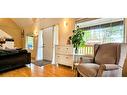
<point x="41" y="22"/>
<point x="45" y="22"/>
<point x="23" y="22"/>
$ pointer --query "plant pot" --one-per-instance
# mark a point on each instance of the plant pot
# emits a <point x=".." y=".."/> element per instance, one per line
<point x="76" y="50"/>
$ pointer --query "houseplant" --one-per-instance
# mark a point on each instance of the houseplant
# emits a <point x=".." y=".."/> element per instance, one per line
<point x="78" y="39"/>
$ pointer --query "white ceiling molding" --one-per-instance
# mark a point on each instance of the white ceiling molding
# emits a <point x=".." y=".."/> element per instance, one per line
<point x="98" y="22"/>
<point x="79" y="20"/>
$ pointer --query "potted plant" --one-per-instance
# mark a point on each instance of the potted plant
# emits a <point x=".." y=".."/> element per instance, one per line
<point x="78" y="39"/>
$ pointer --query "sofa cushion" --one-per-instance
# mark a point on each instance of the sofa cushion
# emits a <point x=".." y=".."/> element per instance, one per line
<point x="7" y="52"/>
<point x="88" y="69"/>
<point x="107" y="54"/>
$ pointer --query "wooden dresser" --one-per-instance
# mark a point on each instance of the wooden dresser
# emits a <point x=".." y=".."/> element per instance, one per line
<point x="64" y="55"/>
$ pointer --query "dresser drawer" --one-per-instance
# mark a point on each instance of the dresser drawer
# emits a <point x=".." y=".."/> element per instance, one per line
<point x="69" y="60"/>
<point x="57" y="58"/>
<point x="60" y="49"/>
<point x="68" y="50"/>
<point x="64" y="49"/>
<point x="65" y="60"/>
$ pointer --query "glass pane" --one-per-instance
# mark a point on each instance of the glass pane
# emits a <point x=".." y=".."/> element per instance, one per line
<point x="30" y="42"/>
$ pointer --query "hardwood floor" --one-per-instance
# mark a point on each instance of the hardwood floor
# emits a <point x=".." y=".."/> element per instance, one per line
<point x="32" y="70"/>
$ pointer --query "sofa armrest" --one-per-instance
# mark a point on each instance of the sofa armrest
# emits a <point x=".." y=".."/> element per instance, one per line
<point x="28" y="57"/>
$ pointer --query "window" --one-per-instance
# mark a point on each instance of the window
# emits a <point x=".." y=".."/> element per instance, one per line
<point x="29" y="42"/>
<point x="105" y="31"/>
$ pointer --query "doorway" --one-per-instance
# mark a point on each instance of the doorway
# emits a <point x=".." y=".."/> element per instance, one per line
<point x="47" y="39"/>
<point x="48" y="44"/>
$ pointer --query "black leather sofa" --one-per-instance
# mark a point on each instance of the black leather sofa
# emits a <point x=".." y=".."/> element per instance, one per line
<point x="11" y="59"/>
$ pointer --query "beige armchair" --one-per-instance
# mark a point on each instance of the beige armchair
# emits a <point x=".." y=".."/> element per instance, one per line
<point x="108" y="61"/>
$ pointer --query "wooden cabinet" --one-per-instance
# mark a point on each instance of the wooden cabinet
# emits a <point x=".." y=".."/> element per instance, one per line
<point x="64" y="55"/>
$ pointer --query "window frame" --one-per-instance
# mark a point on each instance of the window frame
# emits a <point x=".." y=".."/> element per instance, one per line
<point x="123" y="23"/>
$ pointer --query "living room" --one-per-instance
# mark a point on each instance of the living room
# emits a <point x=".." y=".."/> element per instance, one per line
<point x="43" y="42"/>
<point x="64" y="47"/>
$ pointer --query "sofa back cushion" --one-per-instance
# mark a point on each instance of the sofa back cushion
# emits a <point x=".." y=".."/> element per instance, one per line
<point x="107" y="54"/>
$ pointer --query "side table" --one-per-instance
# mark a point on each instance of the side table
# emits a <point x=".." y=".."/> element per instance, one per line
<point x="75" y="68"/>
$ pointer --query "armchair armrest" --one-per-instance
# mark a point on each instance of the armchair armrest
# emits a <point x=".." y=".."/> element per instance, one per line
<point x="100" y="70"/>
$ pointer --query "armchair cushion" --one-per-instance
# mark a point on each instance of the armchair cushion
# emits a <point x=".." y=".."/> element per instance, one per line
<point x="93" y="70"/>
<point x="88" y="69"/>
<point x="86" y="59"/>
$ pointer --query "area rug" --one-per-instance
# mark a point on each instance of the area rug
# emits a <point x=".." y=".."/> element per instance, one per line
<point x="42" y="63"/>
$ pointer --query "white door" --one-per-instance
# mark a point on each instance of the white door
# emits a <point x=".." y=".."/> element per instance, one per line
<point x="48" y="43"/>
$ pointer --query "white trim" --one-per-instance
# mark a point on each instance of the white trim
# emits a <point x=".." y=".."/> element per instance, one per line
<point x="98" y="22"/>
